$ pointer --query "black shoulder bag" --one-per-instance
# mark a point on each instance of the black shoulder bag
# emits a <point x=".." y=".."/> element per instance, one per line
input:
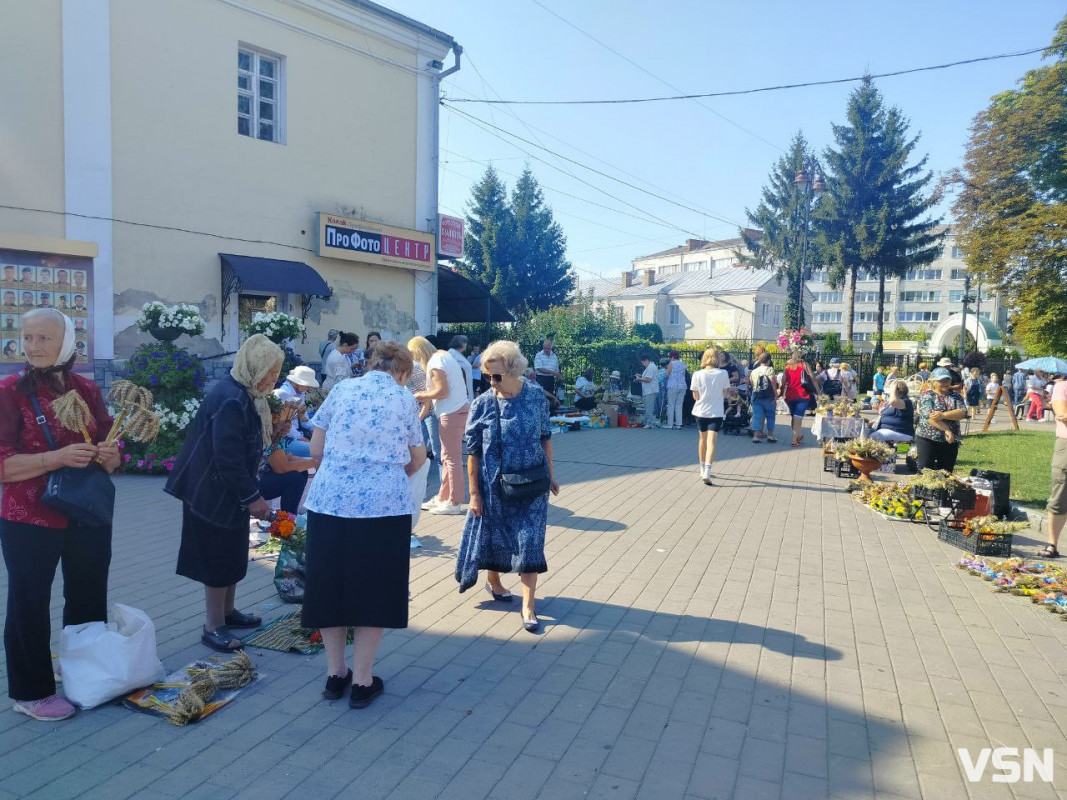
<point x="82" y="494"/>
<point x="525" y="484"/>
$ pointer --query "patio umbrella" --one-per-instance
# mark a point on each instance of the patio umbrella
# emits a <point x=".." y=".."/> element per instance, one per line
<point x="1049" y="364"/>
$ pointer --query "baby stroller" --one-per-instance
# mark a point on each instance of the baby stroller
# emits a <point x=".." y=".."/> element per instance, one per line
<point x="738" y="416"/>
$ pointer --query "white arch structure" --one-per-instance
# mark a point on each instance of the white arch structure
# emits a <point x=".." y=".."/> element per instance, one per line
<point x="985" y="333"/>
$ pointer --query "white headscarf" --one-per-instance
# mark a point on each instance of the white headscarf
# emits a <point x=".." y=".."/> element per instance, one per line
<point x="66" y="351"/>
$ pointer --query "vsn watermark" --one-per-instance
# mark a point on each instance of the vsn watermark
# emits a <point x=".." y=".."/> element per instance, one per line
<point x="1006" y="763"/>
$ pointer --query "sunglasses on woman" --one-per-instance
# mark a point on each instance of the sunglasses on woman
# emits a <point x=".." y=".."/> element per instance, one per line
<point x="496" y="377"/>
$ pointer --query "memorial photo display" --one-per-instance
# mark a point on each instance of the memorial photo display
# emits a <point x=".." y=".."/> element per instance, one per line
<point x="40" y="280"/>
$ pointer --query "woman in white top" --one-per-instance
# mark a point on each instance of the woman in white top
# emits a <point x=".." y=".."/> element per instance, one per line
<point x="585" y="391"/>
<point x="447" y="388"/>
<point x="337" y="366"/>
<point x="709" y="386"/>
<point x="368" y="438"/>
<point x="675" y="380"/>
<point x="1035" y="393"/>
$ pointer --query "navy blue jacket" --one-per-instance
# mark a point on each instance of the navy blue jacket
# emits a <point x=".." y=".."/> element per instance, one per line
<point x="901" y="420"/>
<point x="216" y="472"/>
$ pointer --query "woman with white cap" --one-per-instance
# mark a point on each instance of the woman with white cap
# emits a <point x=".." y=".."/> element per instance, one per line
<point x="296" y="384"/>
<point x="937" y="428"/>
<point x="35" y="537"/>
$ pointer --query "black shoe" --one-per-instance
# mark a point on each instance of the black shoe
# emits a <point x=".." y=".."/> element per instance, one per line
<point x="531" y="625"/>
<point x="222" y="640"/>
<point x="238" y="619"/>
<point x="363" y="695"/>
<point x="505" y="597"/>
<point x="336" y="685"/>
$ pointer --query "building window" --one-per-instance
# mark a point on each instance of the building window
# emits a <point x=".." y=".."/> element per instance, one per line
<point x="777" y="315"/>
<point x="696" y="266"/>
<point x="872" y="297"/>
<point x="765" y="314"/>
<point x="861" y="337"/>
<point x="920" y="297"/>
<point x="923" y="275"/>
<point x="721" y="263"/>
<point x="867" y="275"/>
<point x="675" y="315"/>
<point x="957" y="253"/>
<point x="958" y="274"/>
<point x="639" y="315"/>
<point x="818" y="274"/>
<point x="871" y="316"/>
<point x="259" y="95"/>
<point x="918" y="316"/>
<point x="249" y="304"/>
<point x="826" y="316"/>
<point x="829" y="297"/>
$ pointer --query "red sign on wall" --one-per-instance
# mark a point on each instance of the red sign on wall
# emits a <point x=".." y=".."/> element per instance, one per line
<point x="450" y="236"/>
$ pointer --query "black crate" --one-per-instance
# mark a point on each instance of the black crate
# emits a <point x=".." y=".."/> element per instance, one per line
<point x="937" y="497"/>
<point x="829" y="462"/>
<point x="981" y="544"/>
<point x="845" y="469"/>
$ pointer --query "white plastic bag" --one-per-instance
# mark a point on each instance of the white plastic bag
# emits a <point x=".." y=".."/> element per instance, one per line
<point x="101" y="662"/>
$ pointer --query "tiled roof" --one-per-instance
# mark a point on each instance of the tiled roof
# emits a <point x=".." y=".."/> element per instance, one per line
<point x="721" y="244"/>
<point x="727" y="280"/>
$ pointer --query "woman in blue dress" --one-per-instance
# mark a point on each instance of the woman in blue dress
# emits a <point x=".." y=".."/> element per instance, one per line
<point x="508" y="426"/>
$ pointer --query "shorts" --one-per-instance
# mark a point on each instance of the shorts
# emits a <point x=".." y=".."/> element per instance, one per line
<point x="797" y="407"/>
<point x="713" y="424"/>
<point x="1057" y="499"/>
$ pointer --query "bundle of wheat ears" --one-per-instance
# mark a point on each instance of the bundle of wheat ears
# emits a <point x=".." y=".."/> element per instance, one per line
<point x="136" y="419"/>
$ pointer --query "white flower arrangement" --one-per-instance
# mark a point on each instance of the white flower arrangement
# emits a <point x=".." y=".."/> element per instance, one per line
<point x="275" y="325"/>
<point x="181" y="317"/>
<point x="177" y="420"/>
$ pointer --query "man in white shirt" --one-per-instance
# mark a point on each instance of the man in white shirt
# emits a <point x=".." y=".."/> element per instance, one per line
<point x="456" y="349"/>
<point x="649" y="379"/>
<point x="546" y="365"/>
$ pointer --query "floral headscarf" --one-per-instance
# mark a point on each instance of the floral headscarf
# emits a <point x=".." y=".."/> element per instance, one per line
<point x="257" y="356"/>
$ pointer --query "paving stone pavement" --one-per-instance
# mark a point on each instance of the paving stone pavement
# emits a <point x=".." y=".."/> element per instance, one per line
<point x="764" y="638"/>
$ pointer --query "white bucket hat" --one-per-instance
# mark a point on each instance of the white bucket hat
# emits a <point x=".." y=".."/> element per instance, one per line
<point x="303" y="376"/>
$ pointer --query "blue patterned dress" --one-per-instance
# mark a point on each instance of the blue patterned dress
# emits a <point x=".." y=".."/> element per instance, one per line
<point x="510" y="535"/>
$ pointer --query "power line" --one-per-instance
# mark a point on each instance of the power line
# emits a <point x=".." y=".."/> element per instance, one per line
<point x="669" y="85"/>
<point x="602" y="174"/>
<point x="736" y="92"/>
<point x="488" y="128"/>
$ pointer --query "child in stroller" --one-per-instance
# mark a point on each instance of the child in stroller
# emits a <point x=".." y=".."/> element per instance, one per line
<point x="738" y="414"/>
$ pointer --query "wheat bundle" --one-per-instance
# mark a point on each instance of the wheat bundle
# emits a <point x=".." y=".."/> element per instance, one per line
<point x="72" y="412"/>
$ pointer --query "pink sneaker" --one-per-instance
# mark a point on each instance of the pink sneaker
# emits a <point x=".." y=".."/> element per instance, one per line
<point x="50" y="709"/>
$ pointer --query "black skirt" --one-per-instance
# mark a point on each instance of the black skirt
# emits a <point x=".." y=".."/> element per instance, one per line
<point x="212" y="555"/>
<point x="357" y="571"/>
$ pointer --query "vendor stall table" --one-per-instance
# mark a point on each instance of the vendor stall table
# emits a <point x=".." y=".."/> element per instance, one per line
<point x="827" y="428"/>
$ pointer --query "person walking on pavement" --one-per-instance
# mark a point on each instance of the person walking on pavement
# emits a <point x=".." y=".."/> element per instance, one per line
<point x="1035" y="393"/>
<point x="1018" y="386"/>
<point x="456" y="348"/>
<point x="764" y="388"/>
<point x="546" y="367"/>
<point x="675" y="380"/>
<point x="798" y="389"/>
<point x="1057" y="501"/>
<point x="709" y="386"/>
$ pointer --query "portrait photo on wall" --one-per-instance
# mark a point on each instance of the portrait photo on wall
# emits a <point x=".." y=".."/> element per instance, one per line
<point x="42" y="280"/>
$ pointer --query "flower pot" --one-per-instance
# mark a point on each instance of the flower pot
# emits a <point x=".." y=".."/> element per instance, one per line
<point x="865" y="466"/>
<point x="165" y="334"/>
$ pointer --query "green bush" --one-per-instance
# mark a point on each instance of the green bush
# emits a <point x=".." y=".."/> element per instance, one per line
<point x="649" y="331"/>
<point x="584" y="320"/>
<point x="831" y="344"/>
<point x="1003" y="354"/>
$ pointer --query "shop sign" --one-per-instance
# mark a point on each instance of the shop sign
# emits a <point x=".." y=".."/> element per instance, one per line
<point x="372" y="243"/>
<point x="450" y="236"/>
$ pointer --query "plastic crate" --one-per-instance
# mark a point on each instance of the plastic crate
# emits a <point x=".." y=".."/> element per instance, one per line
<point x="829" y="462"/>
<point x="845" y="469"/>
<point x="981" y="544"/>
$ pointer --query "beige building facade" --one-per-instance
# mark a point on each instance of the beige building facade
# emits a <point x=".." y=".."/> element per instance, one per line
<point x="698" y="291"/>
<point x="152" y="137"/>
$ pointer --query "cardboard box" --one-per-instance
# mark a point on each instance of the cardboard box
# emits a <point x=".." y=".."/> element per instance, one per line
<point x="611" y="412"/>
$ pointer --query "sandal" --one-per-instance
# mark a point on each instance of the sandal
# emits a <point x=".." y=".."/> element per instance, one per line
<point x="1050" y="551"/>
<point x="772" y="440"/>
<point x="239" y="619"/>
<point x="221" y="640"/>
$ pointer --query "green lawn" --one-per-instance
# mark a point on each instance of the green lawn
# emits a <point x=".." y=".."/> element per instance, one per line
<point x="1025" y="455"/>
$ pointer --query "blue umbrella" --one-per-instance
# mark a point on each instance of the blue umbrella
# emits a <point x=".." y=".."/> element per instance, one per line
<point x="1049" y="364"/>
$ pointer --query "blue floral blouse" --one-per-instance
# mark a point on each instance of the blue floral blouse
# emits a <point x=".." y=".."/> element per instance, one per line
<point x="370" y="423"/>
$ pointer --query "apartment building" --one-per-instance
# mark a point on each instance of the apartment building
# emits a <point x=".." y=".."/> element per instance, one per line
<point x="924" y="298"/>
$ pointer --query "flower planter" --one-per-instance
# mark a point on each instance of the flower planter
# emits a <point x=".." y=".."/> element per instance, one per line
<point x="165" y="334"/>
<point x="865" y="466"/>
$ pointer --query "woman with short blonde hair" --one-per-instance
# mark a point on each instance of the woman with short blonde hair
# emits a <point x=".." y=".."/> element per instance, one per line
<point x="508" y="355"/>
<point x="710" y="359"/>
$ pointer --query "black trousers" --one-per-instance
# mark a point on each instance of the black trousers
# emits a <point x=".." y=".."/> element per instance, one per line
<point x="31" y="554"/>
<point x="585" y="403"/>
<point x="548" y="383"/>
<point x="289" y="486"/>
<point x="936" y="455"/>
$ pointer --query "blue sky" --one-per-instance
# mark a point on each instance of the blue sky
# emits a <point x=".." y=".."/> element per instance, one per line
<point x="713" y="156"/>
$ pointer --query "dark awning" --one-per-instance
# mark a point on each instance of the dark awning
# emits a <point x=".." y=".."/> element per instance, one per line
<point x="459" y="299"/>
<point x="275" y="275"/>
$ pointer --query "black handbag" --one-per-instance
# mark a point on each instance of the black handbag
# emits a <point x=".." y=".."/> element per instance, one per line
<point x="524" y="484"/>
<point x="82" y="494"/>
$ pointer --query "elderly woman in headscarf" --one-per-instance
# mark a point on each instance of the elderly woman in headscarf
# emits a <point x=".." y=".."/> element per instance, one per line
<point x="215" y="477"/>
<point x="35" y="537"/>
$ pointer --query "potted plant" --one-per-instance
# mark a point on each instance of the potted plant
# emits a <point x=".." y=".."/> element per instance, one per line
<point x="167" y="323"/>
<point x="866" y="455"/>
<point x="799" y="339"/>
<point x="275" y="325"/>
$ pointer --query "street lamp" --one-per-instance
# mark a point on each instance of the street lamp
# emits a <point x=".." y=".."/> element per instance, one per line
<point x="809" y="190"/>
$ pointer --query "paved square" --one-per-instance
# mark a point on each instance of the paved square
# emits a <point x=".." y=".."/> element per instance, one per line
<point x="767" y="637"/>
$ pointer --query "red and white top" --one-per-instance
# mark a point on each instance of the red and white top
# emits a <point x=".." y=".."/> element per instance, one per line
<point x="20" y="434"/>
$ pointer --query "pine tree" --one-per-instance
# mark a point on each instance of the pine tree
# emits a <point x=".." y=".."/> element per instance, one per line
<point x="781" y="217"/>
<point x="872" y="215"/>
<point x="542" y="273"/>
<point x="489" y="241"/>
